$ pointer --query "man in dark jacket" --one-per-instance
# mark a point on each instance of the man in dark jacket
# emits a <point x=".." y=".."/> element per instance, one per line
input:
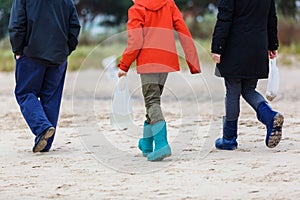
<point x="244" y="39"/>
<point x="42" y="34"/>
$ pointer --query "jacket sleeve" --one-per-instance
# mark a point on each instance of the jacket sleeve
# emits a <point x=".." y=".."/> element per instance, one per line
<point x="223" y="25"/>
<point x="186" y="41"/>
<point x="74" y="29"/>
<point x="272" y="28"/>
<point x="18" y="26"/>
<point x="135" y="37"/>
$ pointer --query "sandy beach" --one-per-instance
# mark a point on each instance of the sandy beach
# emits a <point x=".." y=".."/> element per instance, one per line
<point x="90" y="159"/>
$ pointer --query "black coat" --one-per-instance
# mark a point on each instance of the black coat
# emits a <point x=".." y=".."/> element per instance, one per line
<point x="244" y="32"/>
<point x="45" y="31"/>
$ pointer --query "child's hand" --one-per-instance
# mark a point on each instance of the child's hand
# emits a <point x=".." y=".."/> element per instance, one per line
<point x="17" y="57"/>
<point x="121" y="73"/>
<point x="217" y="58"/>
<point x="272" y="54"/>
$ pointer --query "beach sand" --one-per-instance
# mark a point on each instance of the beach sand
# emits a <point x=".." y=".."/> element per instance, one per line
<point x="90" y="159"/>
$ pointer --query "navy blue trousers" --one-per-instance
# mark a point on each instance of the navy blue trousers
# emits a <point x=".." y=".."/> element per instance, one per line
<point x="38" y="92"/>
<point x="234" y="89"/>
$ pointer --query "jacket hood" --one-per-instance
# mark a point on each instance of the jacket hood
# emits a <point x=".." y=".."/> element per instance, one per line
<point x="151" y="4"/>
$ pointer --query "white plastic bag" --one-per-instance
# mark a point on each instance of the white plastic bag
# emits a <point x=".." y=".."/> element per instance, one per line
<point x="110" y="66"/>
<point x="121" y="115"/>
<point x="273" y="80"/>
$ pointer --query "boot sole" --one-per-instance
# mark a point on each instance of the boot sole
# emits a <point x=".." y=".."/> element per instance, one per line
<point x="43" y="141"/>
<point x="160" y="154"/>
<point x="276" y="135"/>
<point x="221" y="144"/>
<point x="160" y="159"/>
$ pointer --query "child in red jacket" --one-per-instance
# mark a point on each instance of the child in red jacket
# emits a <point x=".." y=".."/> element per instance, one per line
<point x="151" y="42"/>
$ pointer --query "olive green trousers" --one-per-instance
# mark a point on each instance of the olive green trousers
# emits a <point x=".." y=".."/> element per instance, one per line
<point x="152" y="88"/>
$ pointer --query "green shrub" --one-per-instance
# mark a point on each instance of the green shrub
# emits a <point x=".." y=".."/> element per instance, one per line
<point x="202" y="27"/>
<point x="288" y="31"/>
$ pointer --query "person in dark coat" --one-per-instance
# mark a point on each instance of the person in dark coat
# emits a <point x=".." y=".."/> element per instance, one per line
<point x="42" y="34"/>
<point x="244" y="38"/>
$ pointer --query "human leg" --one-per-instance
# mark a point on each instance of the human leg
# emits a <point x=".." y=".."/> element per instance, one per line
<point x="232" y="99"/>
<point x="230" y="121"/>
<point x="152" y="87"/>
<point x="146" y="142"/>
<point x="272" y="119"/>
<point x="249" y="93"/>
<point x="29" y="78"/>
<point x="51" y="94"/>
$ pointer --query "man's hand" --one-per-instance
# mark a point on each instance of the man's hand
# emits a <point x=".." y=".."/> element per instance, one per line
<point x="272" y="54"/>
<point x="217" y="58"/>
<point x="121" y="73"/>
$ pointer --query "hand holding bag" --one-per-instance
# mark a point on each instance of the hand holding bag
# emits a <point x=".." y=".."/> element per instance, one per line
<point x="121" y="115"/>
<point x="273" y="80"/>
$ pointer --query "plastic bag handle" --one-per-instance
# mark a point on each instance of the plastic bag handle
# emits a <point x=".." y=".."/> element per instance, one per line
<point x="122" y="83"/>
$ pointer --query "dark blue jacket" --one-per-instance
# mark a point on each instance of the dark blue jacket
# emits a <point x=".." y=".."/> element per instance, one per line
<point x="244" y="32"/>
<point x="44" y="30"/>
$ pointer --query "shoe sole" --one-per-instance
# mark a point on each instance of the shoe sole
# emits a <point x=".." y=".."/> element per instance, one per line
<point x="221" y="145"/>
<point x="163" y="157"/>
<point x="43" y="142"/>
<point x="227" y="149"/>
<point x="160" y="154"/>
<point x="276" y="135"/>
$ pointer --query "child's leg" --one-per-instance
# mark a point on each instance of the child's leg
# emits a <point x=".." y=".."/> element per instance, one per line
<point x="232" y="100"/>
<point x="230" y="121"/>
<point x="152" y="87"/>
<point x="146" y="142"/>
<point x="272" y="119"/>
<point x="250" y="94"/>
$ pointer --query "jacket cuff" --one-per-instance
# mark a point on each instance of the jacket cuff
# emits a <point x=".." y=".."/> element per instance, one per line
<point x="218" y="49"/>
<point x="123" y="67"/>
<point x="18" y="52"/>
<point x="193" y="69"/>
<point x="273" y="47"/>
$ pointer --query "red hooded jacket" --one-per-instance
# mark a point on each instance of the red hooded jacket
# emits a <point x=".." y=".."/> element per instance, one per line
<point x="151" y="39"/>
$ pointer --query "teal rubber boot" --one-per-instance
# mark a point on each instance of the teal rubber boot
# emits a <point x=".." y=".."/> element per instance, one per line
<point x="146" y="143"/>
<point x="162" y="148"/>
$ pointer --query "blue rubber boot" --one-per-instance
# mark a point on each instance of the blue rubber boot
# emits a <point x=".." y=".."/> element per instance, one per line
<point x="273" y="121"/>
<point x="146" y="143"/>
<point x="228" y="141"/>
<point x="162" y="148"/>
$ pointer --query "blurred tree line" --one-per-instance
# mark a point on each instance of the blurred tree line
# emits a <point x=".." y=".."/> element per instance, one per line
<point x="4" y="16"/>
<point x="193" y="10"/>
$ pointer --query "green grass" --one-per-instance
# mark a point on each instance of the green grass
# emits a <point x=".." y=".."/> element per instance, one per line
<point x="82" y="58"/>
<point x="7" y="62"/>
<point x="91" y="56"/>
<point x="78" y="56"/>
<point x="291" y="49"/>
